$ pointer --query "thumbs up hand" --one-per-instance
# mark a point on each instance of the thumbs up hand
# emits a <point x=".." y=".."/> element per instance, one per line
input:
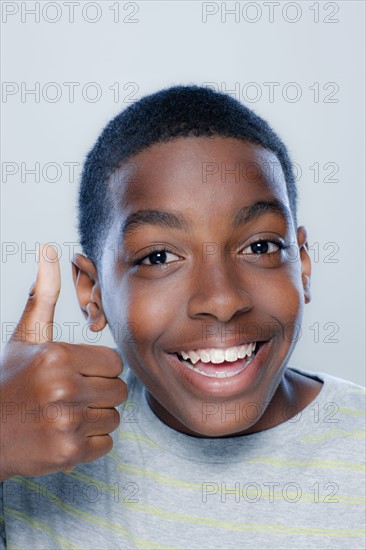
<point x="57" y="399"/>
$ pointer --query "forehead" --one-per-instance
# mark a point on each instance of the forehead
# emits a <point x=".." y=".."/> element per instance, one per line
<point x="215" y="171"/>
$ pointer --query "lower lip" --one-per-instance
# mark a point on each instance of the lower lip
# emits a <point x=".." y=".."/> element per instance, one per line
<point x="222" y="387"/>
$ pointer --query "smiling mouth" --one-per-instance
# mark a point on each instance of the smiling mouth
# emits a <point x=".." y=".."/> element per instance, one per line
<point x="220" y="363"/>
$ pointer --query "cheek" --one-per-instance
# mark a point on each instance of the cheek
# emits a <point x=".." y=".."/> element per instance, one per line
<point x="282" y="296"/>
<point x="143" y="309"/>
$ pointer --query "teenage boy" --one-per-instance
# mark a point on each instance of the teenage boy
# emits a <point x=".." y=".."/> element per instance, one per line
<point x="193" y="256"/>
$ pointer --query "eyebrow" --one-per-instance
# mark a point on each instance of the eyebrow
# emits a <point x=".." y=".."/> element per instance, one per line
<point x="170" y="220"/>
<point x="259" y="208"/>
<point x="159" y="218"/>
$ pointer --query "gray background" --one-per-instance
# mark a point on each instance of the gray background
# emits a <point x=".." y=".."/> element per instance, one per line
<point x="313" y="54"/>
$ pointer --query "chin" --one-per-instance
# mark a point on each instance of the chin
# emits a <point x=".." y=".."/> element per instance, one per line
<point x="216" y="427"/>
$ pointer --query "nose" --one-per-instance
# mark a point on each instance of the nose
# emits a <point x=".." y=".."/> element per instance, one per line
<point x="217" y="291"/>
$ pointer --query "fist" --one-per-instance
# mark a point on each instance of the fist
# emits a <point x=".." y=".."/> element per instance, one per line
<point x="57" y="399"/>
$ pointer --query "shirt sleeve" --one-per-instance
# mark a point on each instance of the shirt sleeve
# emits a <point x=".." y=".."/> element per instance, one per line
<point x="2" y="520"/>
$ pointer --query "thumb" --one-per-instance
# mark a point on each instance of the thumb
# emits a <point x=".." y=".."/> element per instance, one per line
<point x="36" y="323"/>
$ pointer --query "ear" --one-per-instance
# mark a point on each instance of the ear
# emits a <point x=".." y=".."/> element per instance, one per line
<point x="87" y="287"/>
<point x="305" y="262"/>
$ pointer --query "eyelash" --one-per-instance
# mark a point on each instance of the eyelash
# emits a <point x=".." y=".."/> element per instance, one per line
<point x="162" y="248"/>
<point x="280" y="244"/>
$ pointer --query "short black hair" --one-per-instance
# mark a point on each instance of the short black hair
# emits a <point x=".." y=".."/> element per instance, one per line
<point x="178" y="111"/>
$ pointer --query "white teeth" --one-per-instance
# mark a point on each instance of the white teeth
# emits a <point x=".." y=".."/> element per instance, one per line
<point x="242" y="352"/>
<point x="205" y="357"/>
<point x="220" y="374"/>
<point x="193" y="356"/>
<point x="217" y="355"/>
<point x="231" y="355"/>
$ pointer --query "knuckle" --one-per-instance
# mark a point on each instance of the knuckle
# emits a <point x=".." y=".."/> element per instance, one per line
<point x="108" y="444"/>
<point x="61" y="390"/>
<point x="68" y="424"/>
<point x="69" y="454"/>
<point x="114" y="359"/>
<point x="54" y="355"/>
<point x="116" y="419"/>
<point x="103" y="449"/>
<point x="121" y="390"/>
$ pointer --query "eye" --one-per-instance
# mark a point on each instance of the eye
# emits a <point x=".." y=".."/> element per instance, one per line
<point x="157" y="257"/>
<point x="263" y="247"/>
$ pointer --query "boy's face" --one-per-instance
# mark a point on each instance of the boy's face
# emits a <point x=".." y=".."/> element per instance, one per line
<point x="220" y="280"/>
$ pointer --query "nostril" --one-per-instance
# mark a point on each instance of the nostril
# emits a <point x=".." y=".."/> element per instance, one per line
<point x="219" y="299"/>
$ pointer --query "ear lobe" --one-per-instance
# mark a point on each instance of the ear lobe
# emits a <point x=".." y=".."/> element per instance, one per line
<point x="305" y="262"/>
<point x="85" y="277"/>
<point x="95" y="317"/>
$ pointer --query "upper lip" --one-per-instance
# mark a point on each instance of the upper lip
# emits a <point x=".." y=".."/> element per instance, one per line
<point x="217" y="345"/>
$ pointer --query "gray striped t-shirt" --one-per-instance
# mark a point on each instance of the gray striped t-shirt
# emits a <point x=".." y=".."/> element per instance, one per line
<point x="299" y="485"/>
